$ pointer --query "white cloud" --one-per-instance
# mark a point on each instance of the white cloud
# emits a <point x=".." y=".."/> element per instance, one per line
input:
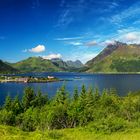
<point x="107" y="42"/>
<point x="37" y="49"/>
<point x="71" y="10"/>
<point x="75" y="43"/>
<point x="52" y="56"/>
<point x="91" y="43"/>
<point x="68" y="38"/>
<point x="131" y="37"/>
<point x="130" y="13"/>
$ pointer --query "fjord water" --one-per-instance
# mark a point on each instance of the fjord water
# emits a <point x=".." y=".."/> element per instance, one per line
<point x="123" y="83"/>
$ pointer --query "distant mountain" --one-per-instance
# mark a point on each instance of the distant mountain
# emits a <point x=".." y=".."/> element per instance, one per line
<point x="5" y="68"/>
<point x="38" y="64"/>
<point x="75" y="64"/>
<point x="35" y="64"/>
<point x="118" y="57"/>
<point x="60" y="64"/>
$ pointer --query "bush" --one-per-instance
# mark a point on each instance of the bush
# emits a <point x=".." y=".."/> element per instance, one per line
<point x="7" y="117"/>
<point x="109" y="125"/>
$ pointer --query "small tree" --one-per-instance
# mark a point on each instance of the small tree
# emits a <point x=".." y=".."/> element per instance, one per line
<point x="61" y="96"/>
<point x="39" y="100"/>
<point x="28" y="97"/>
<point x="83" y="92"/>
<point x="8" y="103"/>
<point x="96" y="95"/>
<point x="75" y="95"/>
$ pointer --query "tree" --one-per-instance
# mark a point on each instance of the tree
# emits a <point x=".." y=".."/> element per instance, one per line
<point x="40" y="100"/>
<point x="75" y="95"/>
<point x="28" y="97"/>
<point x="57" y="117"/>
<point x="61" y="96"/>
<point x="16" y="106"/>
<point x="29" y="120"/>
<point x="96" y="95"/>
<point x="89" y="97"/>
<point x="7" y="117"/>
<point x="83" y="92"/>
<point x="8" y="103"/>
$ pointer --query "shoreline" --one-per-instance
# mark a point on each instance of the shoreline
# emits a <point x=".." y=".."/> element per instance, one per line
<point x="90" y="73"/>
<point x="29" y="79"/>
<point x="34" y="81"/>
<point x="107" y="73"/>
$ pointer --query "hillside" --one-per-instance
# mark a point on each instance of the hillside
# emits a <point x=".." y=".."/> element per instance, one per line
<point x="35" y="64"/>
<point x="38" y="64"/>
<point x="5" y="68"/>
<point x="118" y="57"/>
<point x="60" y="64"/>
<point x="75" y="64"/>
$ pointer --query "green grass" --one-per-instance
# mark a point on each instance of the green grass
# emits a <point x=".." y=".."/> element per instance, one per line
<point x="12" y="133"/>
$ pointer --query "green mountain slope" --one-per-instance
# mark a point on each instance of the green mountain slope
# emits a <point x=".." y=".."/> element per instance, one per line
<point x="60" y="64"/>
<point x="119" y="57"/>
<point x="35" y="64"/>
<point x="75" y="64"/>
<point x="38" y="64"/>
<point x="5" y="68"/>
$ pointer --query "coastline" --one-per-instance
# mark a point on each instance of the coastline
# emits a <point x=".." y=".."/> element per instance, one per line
<point x="29" y="79"/>
<point x="97" y="73"/>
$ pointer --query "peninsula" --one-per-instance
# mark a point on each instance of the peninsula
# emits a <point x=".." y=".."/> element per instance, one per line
<point x="30" y="79"/>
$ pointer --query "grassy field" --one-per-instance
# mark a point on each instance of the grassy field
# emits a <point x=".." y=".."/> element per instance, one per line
<point x="11" y="133"/>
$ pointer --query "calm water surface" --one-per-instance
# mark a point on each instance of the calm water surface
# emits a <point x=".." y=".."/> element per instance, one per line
<point x="122" y="82"/>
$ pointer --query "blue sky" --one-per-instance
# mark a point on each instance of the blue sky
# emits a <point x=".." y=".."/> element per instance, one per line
<point x="67" y="29"/>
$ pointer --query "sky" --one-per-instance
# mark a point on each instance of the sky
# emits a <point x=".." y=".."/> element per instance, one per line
<point x="66" y="29"/>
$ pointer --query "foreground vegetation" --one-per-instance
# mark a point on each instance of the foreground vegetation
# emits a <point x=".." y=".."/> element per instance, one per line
<point x="8" y="132"/>
<point x="85" y="115"/>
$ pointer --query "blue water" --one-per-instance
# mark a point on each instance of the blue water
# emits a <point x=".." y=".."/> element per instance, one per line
<point x="123" y="83"/>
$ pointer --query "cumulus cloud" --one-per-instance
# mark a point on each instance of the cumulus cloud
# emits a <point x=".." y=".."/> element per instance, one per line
<point x="131" y="37"/>
<point x="52" y="56"/>
<point x="37" y="49"/>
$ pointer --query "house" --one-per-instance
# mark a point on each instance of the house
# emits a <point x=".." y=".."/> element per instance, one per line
<point x="50" y="77"/>
<point x="25" y="80"/>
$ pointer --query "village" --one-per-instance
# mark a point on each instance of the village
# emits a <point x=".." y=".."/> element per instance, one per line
<point x="30" y="79"/>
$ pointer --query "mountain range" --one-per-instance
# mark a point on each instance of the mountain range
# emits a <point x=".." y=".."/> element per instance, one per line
<point x="116" y="57"/>
<point x="39" y="64"/>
